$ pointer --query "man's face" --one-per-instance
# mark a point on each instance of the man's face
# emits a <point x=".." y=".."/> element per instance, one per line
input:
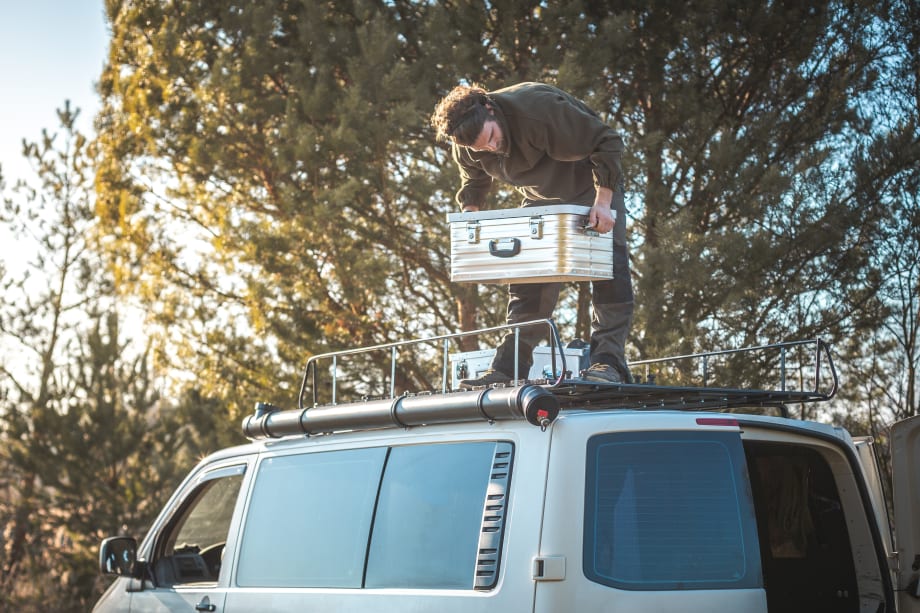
<point x="490" y="138"/>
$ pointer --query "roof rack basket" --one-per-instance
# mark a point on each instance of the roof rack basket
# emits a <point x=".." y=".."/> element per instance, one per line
<point x="443" y="342"/>
<point x="693" y="383"/>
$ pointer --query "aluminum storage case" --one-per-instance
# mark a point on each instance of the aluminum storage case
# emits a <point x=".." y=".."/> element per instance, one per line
<point x="471" y="364"/>
<point x="538" y="244"/>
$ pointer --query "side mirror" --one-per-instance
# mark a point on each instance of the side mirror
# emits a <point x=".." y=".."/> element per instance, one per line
<point x="118" y="556"/>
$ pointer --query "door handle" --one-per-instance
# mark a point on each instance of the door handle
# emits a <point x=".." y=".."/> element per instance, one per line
<point x="205" y="605"/>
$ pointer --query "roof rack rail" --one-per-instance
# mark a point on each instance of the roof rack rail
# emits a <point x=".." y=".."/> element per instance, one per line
<point x="539" y="402"/>
<point x="311" y="370"/>
<point x="706" y="396"/>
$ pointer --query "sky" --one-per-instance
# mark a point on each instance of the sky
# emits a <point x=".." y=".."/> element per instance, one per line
<point x="50" y="51"/>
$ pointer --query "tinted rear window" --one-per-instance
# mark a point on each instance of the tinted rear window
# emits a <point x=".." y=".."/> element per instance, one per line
<point x="668" y="511"/>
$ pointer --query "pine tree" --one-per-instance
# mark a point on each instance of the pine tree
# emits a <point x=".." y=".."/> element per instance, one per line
<point x="35" y="324"/>
<point x="281" y="134"/>
<point x="87" y="449"/>
<point x="883" y="360"/>
<point x="290" y="140"/>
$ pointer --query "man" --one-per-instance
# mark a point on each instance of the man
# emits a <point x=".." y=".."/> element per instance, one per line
<point x="552" y="149"/>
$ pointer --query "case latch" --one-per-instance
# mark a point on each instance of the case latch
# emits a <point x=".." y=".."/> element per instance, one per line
<point x="472" y="231"/>
<point x="536" y="227"/>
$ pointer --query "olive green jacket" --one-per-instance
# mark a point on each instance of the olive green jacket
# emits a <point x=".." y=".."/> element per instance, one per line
<point x="556" y="150"/>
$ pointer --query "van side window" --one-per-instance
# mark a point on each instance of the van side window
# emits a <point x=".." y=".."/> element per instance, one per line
<point x="309" y="519"/>
<point x="191" y="549"/>
<point x="674" y="512"/>
<point x="429" y="516"/>
<point x="415" y="516"/>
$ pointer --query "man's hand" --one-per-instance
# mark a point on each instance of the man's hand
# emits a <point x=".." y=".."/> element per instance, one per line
<point x="601" y="217"/>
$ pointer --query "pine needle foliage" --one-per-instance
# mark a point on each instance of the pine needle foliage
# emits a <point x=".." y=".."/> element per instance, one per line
<point x="272" y="188"/>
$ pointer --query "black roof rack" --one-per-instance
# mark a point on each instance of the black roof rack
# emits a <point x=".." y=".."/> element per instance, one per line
<point x="577" y="394"/>
<point x="821" y="385"/>
<point x="687" y="382"/>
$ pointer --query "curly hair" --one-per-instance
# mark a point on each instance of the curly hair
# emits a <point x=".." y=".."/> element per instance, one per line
<point x="460" y="115"/>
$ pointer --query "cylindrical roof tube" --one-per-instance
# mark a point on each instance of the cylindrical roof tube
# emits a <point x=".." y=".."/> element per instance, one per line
<point x="530" y="402"/>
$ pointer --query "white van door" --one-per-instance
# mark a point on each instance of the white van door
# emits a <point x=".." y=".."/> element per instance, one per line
<point x="185" y="553"/>
<point x="647" y="513"/>
<point x="409" y="523"/>
<point x="905" y="466"/>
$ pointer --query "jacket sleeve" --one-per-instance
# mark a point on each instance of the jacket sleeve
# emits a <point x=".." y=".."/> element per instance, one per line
<point x="475" y="183"/>
<point x="574" y="132"/>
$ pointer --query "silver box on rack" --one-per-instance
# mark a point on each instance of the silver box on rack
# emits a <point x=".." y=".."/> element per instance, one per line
<point x="471" y="364"/>
<point x="528" y="245"/>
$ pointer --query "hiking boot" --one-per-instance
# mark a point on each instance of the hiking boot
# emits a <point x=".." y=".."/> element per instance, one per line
<point x="488" y="378"/>
<point x="603" y="373"/>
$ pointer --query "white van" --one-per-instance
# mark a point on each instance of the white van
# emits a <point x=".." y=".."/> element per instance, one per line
<point x="546" y="497"/>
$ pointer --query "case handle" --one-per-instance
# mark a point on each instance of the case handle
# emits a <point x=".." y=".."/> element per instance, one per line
<point x="504" y="247"/>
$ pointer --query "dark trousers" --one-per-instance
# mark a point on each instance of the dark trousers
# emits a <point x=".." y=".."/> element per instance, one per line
<point x="612" y="302"/>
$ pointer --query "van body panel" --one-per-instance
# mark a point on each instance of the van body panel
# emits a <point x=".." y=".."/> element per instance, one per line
<point x="905" y="465"/>
<point x="310" y="600"/>
<point x="599" y="599"/>
<point x="177" y="599"/>
<point x="513" y="590"/>
<point x="557" y="523"/>
<point x="565" y="535"/>
<point x="115" y="598"/>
